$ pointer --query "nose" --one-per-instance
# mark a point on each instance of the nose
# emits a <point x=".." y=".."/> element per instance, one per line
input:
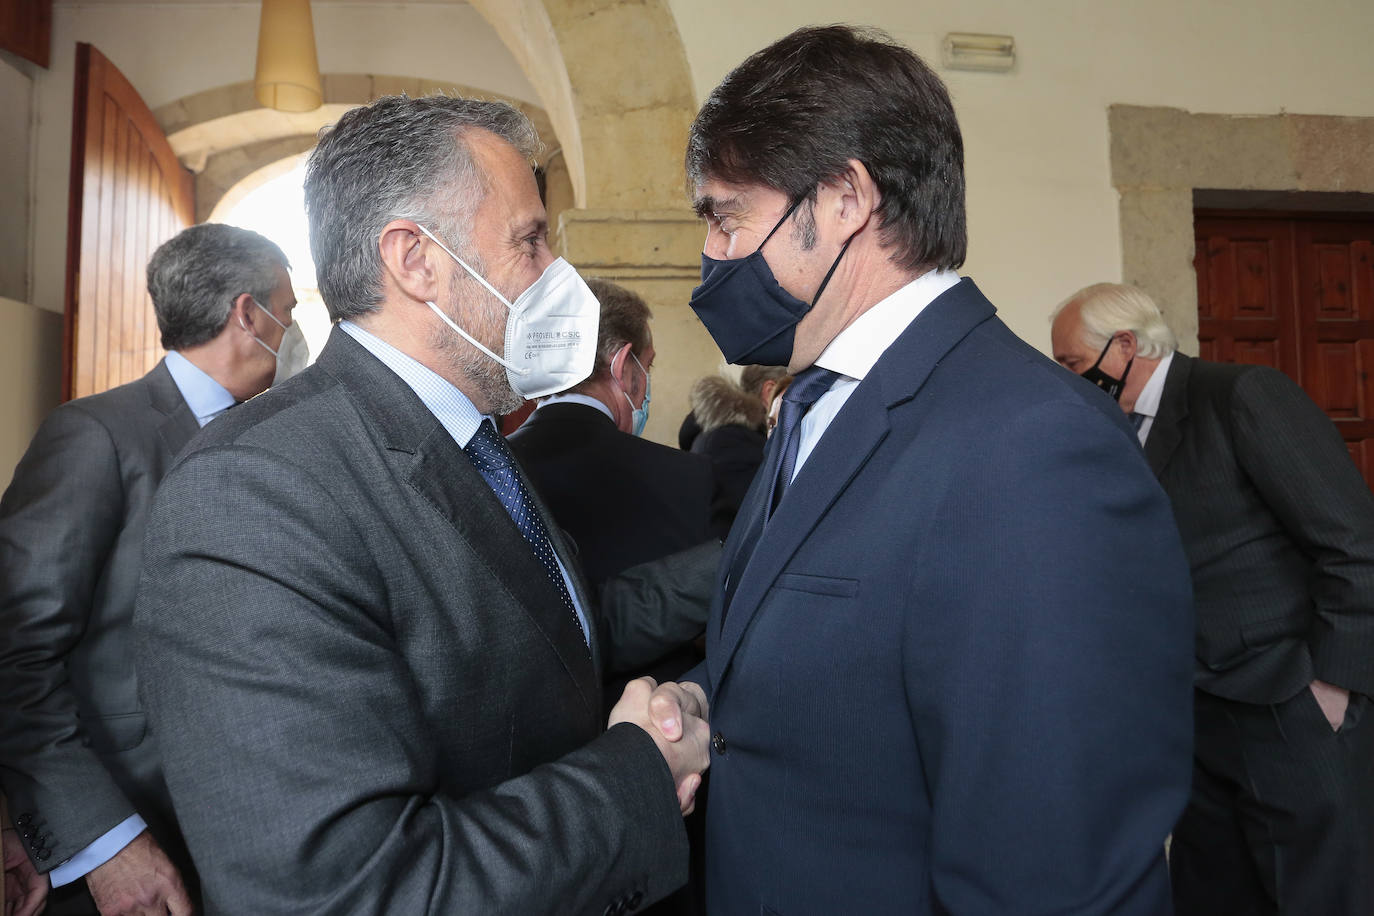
<point x="717" y="244"/>
<point x="544" y="259"/>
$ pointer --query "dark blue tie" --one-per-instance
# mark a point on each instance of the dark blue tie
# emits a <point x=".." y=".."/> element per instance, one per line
<point x="804" y="391"/>
<point x="494" y="461"/>
<point x="1137" y="420"/>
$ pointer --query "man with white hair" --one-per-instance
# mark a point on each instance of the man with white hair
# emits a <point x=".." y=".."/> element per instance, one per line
<point x="1279" y="530"/>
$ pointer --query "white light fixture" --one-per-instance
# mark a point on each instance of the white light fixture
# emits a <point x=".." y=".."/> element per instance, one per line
<point x="968" y="51"/>
<point x="288" y="75"/>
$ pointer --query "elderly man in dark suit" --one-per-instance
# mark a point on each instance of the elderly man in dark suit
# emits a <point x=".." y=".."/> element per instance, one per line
<point x="1279" y="529"/>
<point x="76" y="757"/>
<point x="929" y="690"/>
<point x="370" y="659"/>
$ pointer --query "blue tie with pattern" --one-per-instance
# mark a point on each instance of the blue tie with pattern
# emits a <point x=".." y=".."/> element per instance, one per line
<point x="805" y="390"/>
<point x="494" y="461"/>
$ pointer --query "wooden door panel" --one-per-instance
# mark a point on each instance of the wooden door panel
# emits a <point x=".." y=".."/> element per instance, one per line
<point x="1245" y="275"/>
<point x="1296" y="293"/>
<point x="128" y="195"/>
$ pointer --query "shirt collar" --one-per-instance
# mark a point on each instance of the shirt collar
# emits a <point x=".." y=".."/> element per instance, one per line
<point x="453" y="409"/>
<point x="574" y="397"/>
<point x="206" y="397"/>
<point x="1147" y="404"/>
<point x="855" y="349"/>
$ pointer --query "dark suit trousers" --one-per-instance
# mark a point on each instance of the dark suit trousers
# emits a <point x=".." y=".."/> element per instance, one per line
<point x="1281" y="818"/>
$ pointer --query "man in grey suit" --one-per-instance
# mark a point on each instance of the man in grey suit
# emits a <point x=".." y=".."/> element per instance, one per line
<point x="1279" y="530"/>
<point x="77" y="760"/>
<point x="369" y="658"/>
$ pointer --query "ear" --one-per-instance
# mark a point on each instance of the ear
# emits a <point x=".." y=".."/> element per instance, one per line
<point x="409" y="259"/>
<point x="617" y="364"/>
<point x="243" y="314"/>
<point x="1127" y="342"/>
<point x="850" y="198"/>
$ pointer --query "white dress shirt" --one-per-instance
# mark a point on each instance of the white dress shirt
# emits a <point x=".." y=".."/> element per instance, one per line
<point x="1147" y="404"/>
<point x="856" y="349"/>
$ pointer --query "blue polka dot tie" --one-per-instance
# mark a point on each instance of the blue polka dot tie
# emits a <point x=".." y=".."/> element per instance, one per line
<point x="494" y="461"/>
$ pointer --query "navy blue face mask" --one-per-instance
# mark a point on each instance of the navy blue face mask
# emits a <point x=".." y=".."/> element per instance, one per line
<point x="1113" y="386"/>
<point x="746" y="311"/>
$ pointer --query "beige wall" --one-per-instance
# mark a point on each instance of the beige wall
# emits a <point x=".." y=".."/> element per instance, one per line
<point x="1042" y="209"/>
<point x="30" y="378"/>
<point x="16" y="89"/>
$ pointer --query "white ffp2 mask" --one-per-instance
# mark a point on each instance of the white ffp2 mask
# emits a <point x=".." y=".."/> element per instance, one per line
<point x="292" y="352"/>
<point x="550" y="329"/>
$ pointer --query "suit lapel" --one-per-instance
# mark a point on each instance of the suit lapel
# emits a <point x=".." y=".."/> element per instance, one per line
<point x="765" y="549"/>
<point x="440" y="472"/>
<point x="1166" y="432"/>
<point x="178" y="425"/>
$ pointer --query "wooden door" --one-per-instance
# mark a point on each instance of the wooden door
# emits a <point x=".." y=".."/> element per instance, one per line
<point x="129" y="194"/>
<point x="1295" y="293"/>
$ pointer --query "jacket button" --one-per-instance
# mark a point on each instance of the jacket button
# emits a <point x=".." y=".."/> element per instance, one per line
<point x="718" y="743"/>
<point x="43" y="854"/>
<point x="24" y="820"/>
<point x="636" y="899"/>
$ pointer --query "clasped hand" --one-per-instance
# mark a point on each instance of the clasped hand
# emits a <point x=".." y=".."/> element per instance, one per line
<point x="675" y="716"/>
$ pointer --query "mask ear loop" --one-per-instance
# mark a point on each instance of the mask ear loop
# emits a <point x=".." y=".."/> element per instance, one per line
<point x="778" y="225"/>
<point x="260" y="342"/>
<point x="828" y="274"/>
<point x="621" y="385"/>
<point x="450" y="322"/>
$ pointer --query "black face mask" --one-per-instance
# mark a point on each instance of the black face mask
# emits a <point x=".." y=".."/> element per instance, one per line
<point x="746" y="311"/>
<point x="1113" y="386"/>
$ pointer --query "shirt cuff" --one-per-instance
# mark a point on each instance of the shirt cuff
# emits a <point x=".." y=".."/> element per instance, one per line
<point x="98" y="853"/>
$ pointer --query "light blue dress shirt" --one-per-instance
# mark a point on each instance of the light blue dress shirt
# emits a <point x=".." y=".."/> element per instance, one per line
<point x="454" y="411"/>
<point x="206" y="397"/>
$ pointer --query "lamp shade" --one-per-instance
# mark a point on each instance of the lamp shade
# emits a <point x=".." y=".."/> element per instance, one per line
<point x="288" y="76"/>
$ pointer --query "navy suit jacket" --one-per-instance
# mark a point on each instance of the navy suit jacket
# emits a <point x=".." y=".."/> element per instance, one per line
<point x="955" y="669"/>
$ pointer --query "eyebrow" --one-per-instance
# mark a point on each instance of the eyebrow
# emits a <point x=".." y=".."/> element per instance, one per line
<point x="708" y="205"/>
<point x="531" y="226"/>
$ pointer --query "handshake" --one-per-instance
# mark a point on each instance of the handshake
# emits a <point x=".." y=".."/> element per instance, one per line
<point x="675" y="716"/>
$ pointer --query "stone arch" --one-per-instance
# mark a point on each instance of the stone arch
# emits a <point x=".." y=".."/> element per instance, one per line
<point x="616" y="100"/>
<point x="225" y="137"/>
<point x="622" y="117"/>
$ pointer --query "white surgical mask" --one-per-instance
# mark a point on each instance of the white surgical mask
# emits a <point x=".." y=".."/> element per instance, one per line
<point x="292" y="352"/>
<point x="550" y="329"/>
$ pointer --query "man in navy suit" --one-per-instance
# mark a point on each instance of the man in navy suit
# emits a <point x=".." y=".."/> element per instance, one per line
<point x="949" y="664"/>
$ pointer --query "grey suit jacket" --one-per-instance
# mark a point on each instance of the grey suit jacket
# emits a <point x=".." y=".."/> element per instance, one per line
<point x="367" y="694"/>
<point x="75" y="757"/>
<point x="1279" y="530"/>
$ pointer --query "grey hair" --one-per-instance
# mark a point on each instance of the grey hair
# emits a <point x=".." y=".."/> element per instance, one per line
<point x="624" y="319"/>
<point x="751" y="378"/>
<point x="397" y="158"/>
<point x="195" y="276"/>
<point x="718" y="402"/>
<point x="1106" y="308"/>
